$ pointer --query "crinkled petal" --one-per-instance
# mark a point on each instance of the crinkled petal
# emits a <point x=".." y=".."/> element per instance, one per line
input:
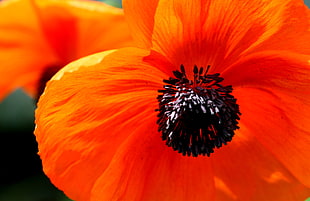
<point x="144" y="168"/>
<point x="218" y="33"/>
<point x="249" y="171"/>
<point x="280" y="123"/>
<point x="89" y="110"/>
<point x="102" y="128"/>
<point x="39" y="37"/>
<point x="281" y="70"/>
<point x="140" y="17"/>
<point x="293" y="34"/>
<point x="274" y="99"/>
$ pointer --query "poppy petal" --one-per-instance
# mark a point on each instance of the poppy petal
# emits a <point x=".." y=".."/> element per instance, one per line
<point x="140" y="17"/>
<point x="22" y="45"/>
<point x="272" y="69"/>
<point x="62" y="31"/>
<point x="86" y="27"/>
<point x="294" y="32"/>
<point x="274" y="99"/>
<point x="217" y="33"/>
<point x="88" y="111"/>
<point x="155" y="172"/>
<point x="250" y="171"/>
<point x="277" y="122"/>
<point x="144" y="168"/>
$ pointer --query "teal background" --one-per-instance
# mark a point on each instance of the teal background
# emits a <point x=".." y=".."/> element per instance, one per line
<point x="21" y="176"/>
<point x="116" y="3"/>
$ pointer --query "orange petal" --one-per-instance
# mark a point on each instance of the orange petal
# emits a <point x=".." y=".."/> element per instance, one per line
<point x="293" y="34"/>
<point x="144" y="168"/>
<point x="280" y="70"/>
<point x="274" y="101"/>
<point x="217" y="33"/>
<point x="140" y="17"/>
<point x="249" y="171"/>
<point x="280" y="122"/>
<point x="62" y="31"/>
<point x="88" y="111"/>
<point x="22" y="45"/>
<point x="102" y="128"/>
<point x="76" y="28"/>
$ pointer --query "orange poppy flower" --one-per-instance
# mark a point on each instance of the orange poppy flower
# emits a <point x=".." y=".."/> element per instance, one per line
<point x="109" y="127"/>
<point x="38" y="37"/>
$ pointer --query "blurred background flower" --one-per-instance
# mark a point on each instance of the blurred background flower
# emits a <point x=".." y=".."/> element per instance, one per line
<point x="21" y="176"/>
<point x="38" y="37"/>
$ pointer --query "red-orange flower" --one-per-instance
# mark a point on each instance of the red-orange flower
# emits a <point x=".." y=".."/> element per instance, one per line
<point x="98" y="136"/>
<point x="38" y="37"/>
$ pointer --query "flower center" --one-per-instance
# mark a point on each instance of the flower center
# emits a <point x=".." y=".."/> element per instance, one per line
<point x="196" y="116"/>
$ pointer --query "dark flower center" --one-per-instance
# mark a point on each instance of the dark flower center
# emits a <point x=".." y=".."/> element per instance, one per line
<point x="196" y="116"/>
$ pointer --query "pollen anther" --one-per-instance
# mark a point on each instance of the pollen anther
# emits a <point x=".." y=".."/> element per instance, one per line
<point x="196" y="116"/>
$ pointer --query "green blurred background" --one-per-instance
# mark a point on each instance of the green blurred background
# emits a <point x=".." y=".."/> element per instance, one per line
<point x="21" y="176"/>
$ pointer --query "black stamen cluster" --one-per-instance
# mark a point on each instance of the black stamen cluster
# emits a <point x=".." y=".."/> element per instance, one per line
<point x="196" y="116"/>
